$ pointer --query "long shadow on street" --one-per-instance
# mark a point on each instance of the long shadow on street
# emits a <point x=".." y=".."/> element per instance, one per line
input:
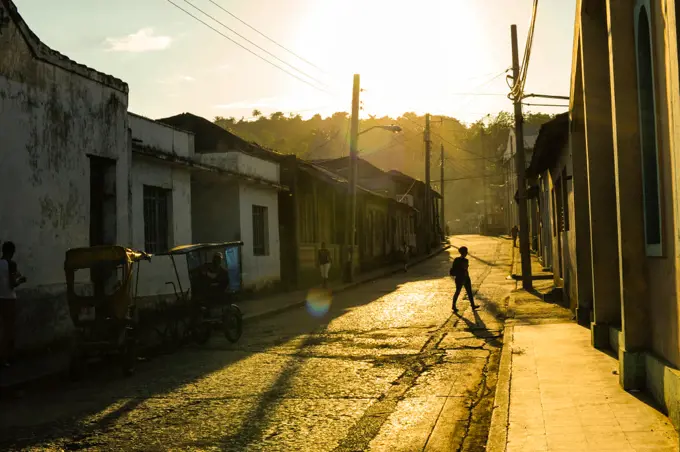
<point x="32" y="421"/>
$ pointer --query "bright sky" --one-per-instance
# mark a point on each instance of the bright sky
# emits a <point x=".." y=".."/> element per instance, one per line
<point x="422" y="56"/>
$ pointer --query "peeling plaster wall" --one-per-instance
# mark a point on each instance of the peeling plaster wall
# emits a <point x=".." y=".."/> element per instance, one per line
<point x="259" y="271"/>
<point x="50" y="119"/>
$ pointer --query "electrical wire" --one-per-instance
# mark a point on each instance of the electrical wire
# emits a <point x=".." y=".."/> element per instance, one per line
<point x="267" y="37"/>
<point x="247" y="49"/>
<point x="518" y="88"/>
<point x="257" y="46"/>
<point x="545" y="105"/>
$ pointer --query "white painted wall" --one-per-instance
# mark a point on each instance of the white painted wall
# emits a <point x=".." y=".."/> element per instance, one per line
<point x="159" y="173"/>
<point x="145" y="171"/>
<point x="161" y="136"/>
<point x="50" y="119"/>
<point x="215" y="215"/>
<point x="259" y="271"/>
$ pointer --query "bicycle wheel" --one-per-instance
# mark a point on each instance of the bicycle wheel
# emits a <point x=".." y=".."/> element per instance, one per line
<point x="232" y="323"/>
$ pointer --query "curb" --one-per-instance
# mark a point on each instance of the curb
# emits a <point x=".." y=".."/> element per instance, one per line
<point x="498" y="430"/>
<point x="299" y="304"/>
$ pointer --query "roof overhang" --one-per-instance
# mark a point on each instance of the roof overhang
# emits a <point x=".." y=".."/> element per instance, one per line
<point x="193" y="165"/>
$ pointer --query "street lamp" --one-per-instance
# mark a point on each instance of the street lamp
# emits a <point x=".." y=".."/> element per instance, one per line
<point x="350" y="225"/>
<point x="390" y="128"/>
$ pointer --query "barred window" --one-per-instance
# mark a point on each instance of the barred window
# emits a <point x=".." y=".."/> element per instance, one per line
<point x="260" y="231"/>
<point x="156" y="219"/>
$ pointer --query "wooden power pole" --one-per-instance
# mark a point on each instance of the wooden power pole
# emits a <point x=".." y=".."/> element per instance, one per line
<point x="520" y="164"/>
<point x="428" y="195"/>
<point x="351" y="212"/>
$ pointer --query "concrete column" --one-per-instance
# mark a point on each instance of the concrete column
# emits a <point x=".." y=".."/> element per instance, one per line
<point x="634" y="338"/>
<point x="600" y="162"/>
<point x="577" y="143"/>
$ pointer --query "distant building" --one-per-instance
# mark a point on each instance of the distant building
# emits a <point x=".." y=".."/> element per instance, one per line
<point x="508" y="162"/>
<point x="315" y="211"/>
<point x="399" y="186"/>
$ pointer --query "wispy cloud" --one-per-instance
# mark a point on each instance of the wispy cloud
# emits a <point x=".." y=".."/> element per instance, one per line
<point x="145" y="40"/>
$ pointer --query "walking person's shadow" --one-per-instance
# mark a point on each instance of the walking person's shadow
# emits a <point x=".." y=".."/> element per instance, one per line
<point x="479" y="329"/>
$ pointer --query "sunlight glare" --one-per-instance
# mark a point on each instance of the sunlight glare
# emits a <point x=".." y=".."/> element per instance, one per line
<point x="319" y="302"/>
<point x="405" y="52"/>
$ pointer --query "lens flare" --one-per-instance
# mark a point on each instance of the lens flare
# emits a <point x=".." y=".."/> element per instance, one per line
<point x="319" y="302"/>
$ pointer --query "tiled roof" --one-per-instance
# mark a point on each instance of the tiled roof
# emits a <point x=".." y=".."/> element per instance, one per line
<point x="209" y="136"/>
<point x="48" y="55"/>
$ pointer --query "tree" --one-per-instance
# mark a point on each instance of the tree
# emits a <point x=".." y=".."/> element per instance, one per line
<point x="256" y="113"/>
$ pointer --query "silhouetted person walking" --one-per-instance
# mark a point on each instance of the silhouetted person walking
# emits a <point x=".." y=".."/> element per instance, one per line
<point x="514" y="233"/>
<point x="10" y="278"/>
<point x="461" y="275"/>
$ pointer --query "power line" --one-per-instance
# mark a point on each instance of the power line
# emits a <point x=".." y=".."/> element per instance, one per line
<point x="545" y="105"/>
<point x="267" y="37"/>
<point x="254" y="44"/>
<point x="247" y="49"/>
<point x="518" y="87"/>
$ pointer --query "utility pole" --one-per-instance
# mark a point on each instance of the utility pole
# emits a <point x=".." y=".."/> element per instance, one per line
<point x="351" y="212"/>
<point x="428" y="202"/>
<point x="520" y="164"/>
<point x="442" y="219"/>
<point x="485" y="181"/>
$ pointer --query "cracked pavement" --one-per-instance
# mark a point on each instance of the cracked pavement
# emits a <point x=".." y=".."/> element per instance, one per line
<point x="389" y="367"/>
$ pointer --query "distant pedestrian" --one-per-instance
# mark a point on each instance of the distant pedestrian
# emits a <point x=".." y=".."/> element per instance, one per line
<point x="10" y="279"/>
<point x="406" y="254"/>
<point x="460" y="272"/>
<point x="514" y="232"/>
<point x="324" y="259"/>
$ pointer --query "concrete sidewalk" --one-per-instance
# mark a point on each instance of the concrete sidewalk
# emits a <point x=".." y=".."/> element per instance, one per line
<point x="44" y="367"/>
<point x="556" y="392"/>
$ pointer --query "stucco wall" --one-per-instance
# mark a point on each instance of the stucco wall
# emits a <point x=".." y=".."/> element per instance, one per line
<point x="662" y="272"/>
<point x="145" y="171"/>
<point x="215" y="214"/>
<point x="260" y="271"/>
<point x="50" y="120"/>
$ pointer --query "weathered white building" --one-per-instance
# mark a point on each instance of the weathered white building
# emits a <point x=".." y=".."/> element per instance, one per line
<point x="64" y="171"/>
<point x="161" y="201"/>
<point x="238" y="199"/>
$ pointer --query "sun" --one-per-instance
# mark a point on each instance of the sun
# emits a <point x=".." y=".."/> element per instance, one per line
<point x="409" y="54"/>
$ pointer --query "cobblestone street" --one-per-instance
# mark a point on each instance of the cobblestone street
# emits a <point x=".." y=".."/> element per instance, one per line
<point x="387" y="368"/>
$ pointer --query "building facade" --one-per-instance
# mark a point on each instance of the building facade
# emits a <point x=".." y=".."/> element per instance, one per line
<point x="237" y="199"/>
<point x="624" y="136"/>
<point x="161" y="202"/>
<point x="64" y="177"/>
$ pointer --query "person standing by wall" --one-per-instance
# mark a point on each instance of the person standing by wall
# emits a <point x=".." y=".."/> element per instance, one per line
<point x="324" y="258"/>
<point x="10" y="279"/>
<point x="514" y="233"/>
<point x="406" y="254"/>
